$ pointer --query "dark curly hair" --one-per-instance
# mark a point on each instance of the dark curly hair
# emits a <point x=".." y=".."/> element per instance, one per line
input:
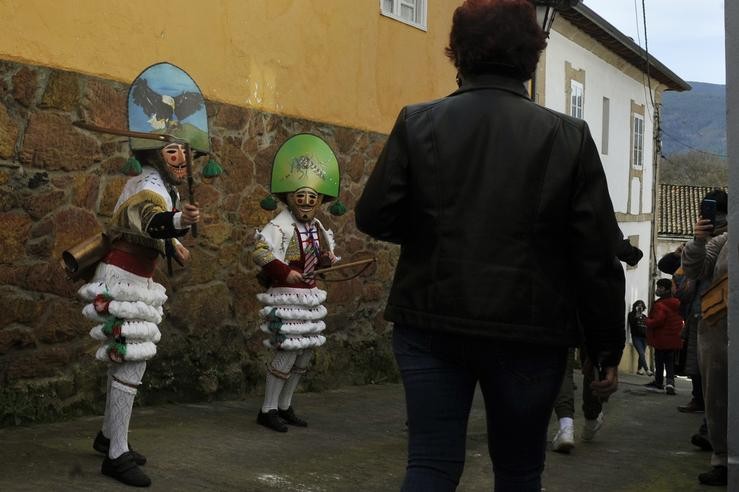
<point x="490" y="36"/>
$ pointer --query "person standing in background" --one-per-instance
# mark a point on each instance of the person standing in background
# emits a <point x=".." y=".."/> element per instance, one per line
<point x="638" y="330"/>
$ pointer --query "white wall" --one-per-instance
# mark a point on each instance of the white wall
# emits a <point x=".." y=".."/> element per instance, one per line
<point x="637" y="279"/>
<point x="604" y="80"/>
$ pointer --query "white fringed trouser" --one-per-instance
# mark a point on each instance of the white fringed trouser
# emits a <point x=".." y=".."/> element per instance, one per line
<point x="300" y="313"/>
<point x="136" y="303"/>
<point x="278" y="391"/>
<point x="294" y="319"/>
<point x="135" y="307"/>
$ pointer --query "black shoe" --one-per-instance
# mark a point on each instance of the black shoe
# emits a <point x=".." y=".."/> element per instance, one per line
<point x="717" y="476"/>
<point x="102" y="444"/>
<point x="691" y="407"/>
<point x="653" y="386"/>
<point x="124" y="469"/>
<point x="271" y="421"/>
<point x="290" y="418"/>
<point x="702" y="442"/>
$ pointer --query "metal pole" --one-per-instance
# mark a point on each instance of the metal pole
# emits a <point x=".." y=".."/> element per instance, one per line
<point x="731" y="12"/>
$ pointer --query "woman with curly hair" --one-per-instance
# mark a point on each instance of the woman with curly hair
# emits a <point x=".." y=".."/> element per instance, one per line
<point x="508" y="238"/>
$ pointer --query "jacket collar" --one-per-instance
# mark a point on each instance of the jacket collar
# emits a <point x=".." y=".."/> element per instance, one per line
<point x="492" y="81"/>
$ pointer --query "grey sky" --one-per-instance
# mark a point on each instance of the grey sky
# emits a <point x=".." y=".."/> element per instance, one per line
<point x="685" y="35"/>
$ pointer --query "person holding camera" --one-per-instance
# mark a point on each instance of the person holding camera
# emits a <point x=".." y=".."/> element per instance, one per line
<point x="706" y="258"/>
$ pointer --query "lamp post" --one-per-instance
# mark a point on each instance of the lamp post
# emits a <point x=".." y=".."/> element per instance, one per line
<point x="546" y="10"/>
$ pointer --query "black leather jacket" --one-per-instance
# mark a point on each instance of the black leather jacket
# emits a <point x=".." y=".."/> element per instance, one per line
<point x="504" y="219"/>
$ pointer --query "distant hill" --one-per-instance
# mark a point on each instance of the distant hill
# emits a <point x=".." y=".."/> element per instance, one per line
<point x="696" y="118"/>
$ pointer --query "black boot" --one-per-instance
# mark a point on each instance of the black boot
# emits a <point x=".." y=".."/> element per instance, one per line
<point x="271" y="421"/>
<point x="702" y="442"/>
<point x="102" y="444"/>
<point x="717" y="476"/>
<point x="124" y="469"/>
<point x="290" y="418"/>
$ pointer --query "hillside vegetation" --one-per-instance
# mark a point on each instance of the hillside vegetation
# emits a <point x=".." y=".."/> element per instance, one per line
<point x="694" y="136"/>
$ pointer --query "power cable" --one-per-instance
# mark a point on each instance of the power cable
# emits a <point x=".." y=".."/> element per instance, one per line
<point x="675" y="139"/>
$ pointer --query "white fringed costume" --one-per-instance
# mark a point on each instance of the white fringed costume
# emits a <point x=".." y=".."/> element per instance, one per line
<point x="292" y="314"/>
<point x="125" y="302"/>
<point x="299" y="308"/>
<point x="134" y="303"/>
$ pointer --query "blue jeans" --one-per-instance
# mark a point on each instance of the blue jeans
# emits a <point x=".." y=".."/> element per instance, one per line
<point x="519" y="383"/>
<point x="640" y="344"/>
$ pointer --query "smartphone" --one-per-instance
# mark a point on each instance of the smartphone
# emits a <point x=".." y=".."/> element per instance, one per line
<point x="708" y="210"/>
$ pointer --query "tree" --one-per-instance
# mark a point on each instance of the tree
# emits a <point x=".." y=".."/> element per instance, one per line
<point x="694" y="168"/>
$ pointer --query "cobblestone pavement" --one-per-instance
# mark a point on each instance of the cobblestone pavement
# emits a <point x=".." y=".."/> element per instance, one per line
<point x="356" y="442"/>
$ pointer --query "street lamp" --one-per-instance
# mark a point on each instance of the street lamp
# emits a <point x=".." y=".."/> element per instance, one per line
<point x="545" y="12"/>
<point x="547" y="9"/>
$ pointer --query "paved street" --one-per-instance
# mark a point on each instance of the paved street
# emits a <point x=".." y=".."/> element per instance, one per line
<point x="355" y="442"/>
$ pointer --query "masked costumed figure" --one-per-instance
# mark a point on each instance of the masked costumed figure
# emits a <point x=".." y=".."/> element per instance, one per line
<point x="305" y="174"/>
<point x="123" y="299"/>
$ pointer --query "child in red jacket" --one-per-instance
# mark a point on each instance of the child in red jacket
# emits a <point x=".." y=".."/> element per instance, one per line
<point x="663" y="333"/>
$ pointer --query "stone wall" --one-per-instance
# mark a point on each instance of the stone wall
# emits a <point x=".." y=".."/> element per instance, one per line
<point x="58" y="186"/>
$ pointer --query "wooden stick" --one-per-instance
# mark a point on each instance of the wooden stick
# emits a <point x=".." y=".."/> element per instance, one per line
<point x="162" y="137"/>
<point x="345" y="265"/>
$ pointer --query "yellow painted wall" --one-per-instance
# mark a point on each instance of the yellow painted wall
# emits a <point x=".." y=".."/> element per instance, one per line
<point x="336" y="61"/>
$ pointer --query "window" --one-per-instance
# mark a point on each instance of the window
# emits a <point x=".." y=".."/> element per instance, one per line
<point x="637" y="139"/>
<point x="606" y="126"/>
<point x="576" y="99"/>
<point x="411" y="12"/>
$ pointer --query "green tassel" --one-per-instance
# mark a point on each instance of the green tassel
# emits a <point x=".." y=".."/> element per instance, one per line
<point x="118" y="347"/>
<point x="268" y="203"/>
<point x="212" y="169"/>
<point x="337" y="208"/>
<point x="110" y="324"/>
<point x="132" y="167"/>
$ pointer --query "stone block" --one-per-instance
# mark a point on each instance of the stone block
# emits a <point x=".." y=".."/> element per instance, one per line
<point x="38" y="204"/>
<point x="52" y="143"/>
<point x="42" y="362"/>
<point x="9" y="129"/>
<point x="231" y="118"/>
<point x="15" y="227"/>
<point x="15" y="338"/>
<point x="200" y="308"/>
<point x="72" y="226"/>
<point x="62" y="91"/>
<point x="112" y="186"/>
<point x="244" y="288"/>
<point x="354" y="168"/>
<point x="85" y="191"/>
<point x="18" y="307"/>
<point x="45" y="276"/>
<point x="25" y="85"/>
<point x="105" y="103"/>
<point x="63" y="322"/>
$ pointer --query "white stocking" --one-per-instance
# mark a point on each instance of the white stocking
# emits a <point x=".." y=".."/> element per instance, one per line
<point x="301" y="365"/>
<point x="106" y="416"/>
<point x="281" y="364"/>
<point x="126" y="376"/>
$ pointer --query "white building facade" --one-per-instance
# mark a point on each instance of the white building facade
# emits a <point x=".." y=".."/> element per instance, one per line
<point x="592" y="71"/>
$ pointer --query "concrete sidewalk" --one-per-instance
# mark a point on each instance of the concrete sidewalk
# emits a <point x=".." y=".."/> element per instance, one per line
<point x="356" y="442"/>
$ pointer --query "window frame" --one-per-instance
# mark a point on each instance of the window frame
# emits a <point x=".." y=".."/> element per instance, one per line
<point x="637" y="141"/>
<point x="421" y="5"/>
<point x="577" y="87"/>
